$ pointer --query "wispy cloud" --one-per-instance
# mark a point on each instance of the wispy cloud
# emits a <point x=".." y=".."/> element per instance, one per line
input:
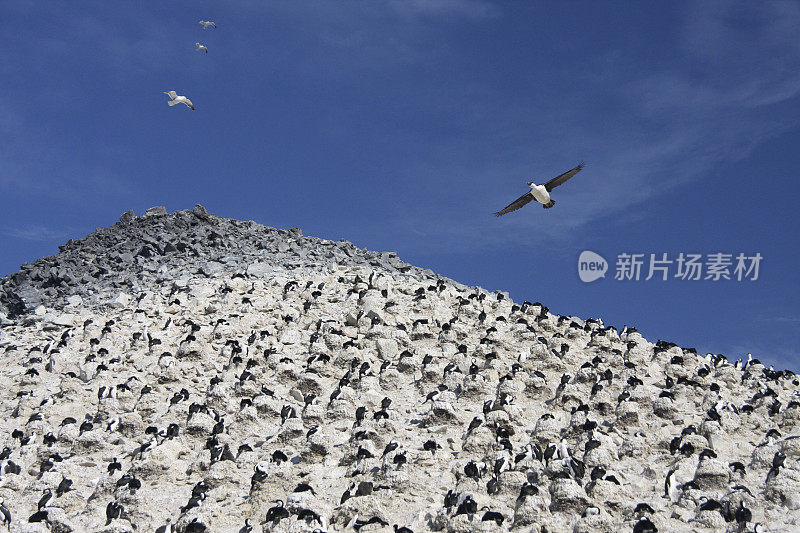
<point x="356" y="9"/>
<point x="47" y="178"/>
<point x="665" y="127"/>
<point x="37" y="157"/>
<point x="472" y="9"/>
<point x="133" y="37"/>
<point x="352" y="35"/>
<point x="753" y="46"/>
<point x="35" y="233"/>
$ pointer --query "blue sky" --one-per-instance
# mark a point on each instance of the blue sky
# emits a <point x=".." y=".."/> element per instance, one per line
<point x="402" y="125"/>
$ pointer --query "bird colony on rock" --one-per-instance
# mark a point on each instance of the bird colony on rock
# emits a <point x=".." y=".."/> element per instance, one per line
<point x="183" y="372"/>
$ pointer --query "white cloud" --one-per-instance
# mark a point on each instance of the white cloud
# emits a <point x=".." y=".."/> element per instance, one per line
<point x="723" y="95"/>
<point x="472" y="9"/>
<point x="357" y="9"/>
<point x="751" y="46"/>
<point x="35" y="233"/>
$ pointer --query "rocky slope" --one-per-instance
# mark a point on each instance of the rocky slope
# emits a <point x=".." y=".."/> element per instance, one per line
<point x="188" y="371"/>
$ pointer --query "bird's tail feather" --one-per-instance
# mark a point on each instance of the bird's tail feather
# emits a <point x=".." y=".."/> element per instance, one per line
<point x="171" y="103"/>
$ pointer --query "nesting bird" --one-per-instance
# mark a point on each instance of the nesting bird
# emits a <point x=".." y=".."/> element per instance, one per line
<point x="474" y="401"/>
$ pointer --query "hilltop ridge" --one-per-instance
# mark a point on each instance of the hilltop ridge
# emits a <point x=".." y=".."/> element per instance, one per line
<point x="138" y="251"/>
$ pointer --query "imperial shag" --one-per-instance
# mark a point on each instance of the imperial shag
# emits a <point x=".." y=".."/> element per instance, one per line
<point x="540" y="193"/>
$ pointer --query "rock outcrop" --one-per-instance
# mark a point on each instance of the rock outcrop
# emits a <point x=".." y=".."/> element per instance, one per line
<point x="190" y="371"/>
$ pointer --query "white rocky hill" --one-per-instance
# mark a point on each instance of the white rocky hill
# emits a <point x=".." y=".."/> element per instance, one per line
<point x="186" y="371"/>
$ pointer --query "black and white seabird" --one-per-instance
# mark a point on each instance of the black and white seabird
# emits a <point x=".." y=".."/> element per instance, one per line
<point x="392" y="446"/>
<point x="644" y="525"/>
<point x="5" y="514"/>
<point x="46" y="495"/>
<point x="540" y="193"/>
<point x="467" y="506"/>
<point x="492" y="516"/>
<point x="669" y="484"/>
<point x="114" y="511"/>
<point x="63" y="487"/>
<point x="277" y="513"/>
<point x="114" y="465"/>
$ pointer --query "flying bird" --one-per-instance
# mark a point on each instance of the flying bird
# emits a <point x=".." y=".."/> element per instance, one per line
<point x="206" y="24"/>
<point x="201" y="47"/>
<point x="540" y="193"/>
<point x="178" y="99"/>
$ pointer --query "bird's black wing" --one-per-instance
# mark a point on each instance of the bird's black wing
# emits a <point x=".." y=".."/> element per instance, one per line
<point x="516" y="204"/>
<point x="558" y="180"/>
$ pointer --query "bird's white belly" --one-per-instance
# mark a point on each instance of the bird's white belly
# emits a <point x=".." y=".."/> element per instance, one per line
<point x="540" y="194"/>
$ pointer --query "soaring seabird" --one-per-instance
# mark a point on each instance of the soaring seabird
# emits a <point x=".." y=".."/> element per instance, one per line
<point x="175" y="99"/>
<point x="202" y="47"/>
<point x="540" y="193"/>
<point x="207" y="23"/>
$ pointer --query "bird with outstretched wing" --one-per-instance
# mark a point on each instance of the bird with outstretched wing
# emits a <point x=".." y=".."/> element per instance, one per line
<point x="540" y="193"/>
